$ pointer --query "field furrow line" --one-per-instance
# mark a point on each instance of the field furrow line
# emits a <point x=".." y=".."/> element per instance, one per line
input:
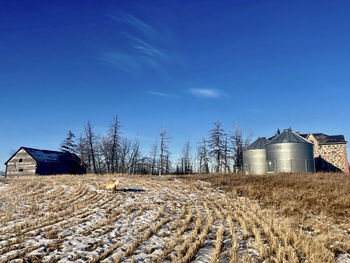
<point x="182" y="223"/>
<point x="112" y="219"/>
<point x="198" y="242"/>
<point x="64" y="218"/>
<point x="146" y="234"/>
<point x="109" y="250"/>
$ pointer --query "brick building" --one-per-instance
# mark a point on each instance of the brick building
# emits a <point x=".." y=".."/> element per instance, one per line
<point x="329" y="152"/>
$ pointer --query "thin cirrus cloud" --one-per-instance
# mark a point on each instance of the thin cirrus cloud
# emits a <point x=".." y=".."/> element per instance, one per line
<point x="162" y="94"/>
<point x="143" y="51"/>
<point x="142" y="55"/>
<point x="199" y="93"/>
<point x="123" y="61"/>
<point x="147" y="49"/>
<point x="137" y="23"/>
<point x="206" y="93"/>
<point x="156" y="93"/>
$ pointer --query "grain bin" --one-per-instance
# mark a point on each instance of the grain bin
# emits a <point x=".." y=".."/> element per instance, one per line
<point x="254" y="157"/>
<point x="289" y="153"/>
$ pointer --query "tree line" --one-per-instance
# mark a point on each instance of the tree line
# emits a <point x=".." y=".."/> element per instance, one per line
<point x="219" y="152"/>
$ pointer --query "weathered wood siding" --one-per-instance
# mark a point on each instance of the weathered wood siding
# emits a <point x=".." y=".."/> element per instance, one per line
<point x="26" y="167"/>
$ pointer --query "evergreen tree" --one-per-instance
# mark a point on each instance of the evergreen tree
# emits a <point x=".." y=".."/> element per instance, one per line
<point x="69" y="145"/>
<point x="216" y="144"/>
<point x="202" y="155"/>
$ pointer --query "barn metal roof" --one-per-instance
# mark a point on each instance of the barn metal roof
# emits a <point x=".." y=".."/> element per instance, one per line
<point x="260" y="143"/>
<point x="287" y="136"/>
<point x="46" y="156"/>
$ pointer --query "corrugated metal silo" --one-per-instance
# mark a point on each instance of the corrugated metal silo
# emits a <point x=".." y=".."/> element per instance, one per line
<point x="254" y="157"/>
<point x="289" y="153"/>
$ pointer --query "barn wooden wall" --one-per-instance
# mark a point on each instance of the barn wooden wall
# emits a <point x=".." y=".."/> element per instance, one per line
<point x="28" y="165"/>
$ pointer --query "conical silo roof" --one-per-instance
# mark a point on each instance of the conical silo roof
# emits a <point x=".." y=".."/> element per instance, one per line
<point x="258" y="144"/>
<point x="288" y="137"/>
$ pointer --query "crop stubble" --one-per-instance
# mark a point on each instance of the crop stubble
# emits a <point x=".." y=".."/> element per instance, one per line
<point x="71" y="218"/>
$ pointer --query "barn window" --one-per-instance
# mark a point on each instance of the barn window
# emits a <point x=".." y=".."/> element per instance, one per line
<point x="20" y="160"/>
<point x="20" y="170"/>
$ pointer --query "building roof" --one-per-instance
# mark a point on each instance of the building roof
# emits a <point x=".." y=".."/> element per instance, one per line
<point x="320" y="137"/>
<point x="272" y="137"/>
<point x="287" y="136"/>
<point x="46" y="156"/>
<point x="325" y="139"/>
<point x="329" y="139"/>
<point x="304" y="135"/>
<point x="260" y="143"/>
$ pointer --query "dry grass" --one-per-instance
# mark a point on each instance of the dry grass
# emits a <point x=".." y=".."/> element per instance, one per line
<point x="318" y="204"/>
<point x="303" y="194"/>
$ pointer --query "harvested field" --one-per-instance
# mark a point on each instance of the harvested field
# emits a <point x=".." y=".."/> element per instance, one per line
<point x="150" y="219"/>
<point x="327" y="194"/>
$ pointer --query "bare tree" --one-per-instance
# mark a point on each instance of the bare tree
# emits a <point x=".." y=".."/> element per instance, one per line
<point x="90" y="137"/>
<point x="114" y="135"/>
<point x="125" y="147"/>
<point x="134" y="157"/>
<point x="144" y="165"/>
<point x="109" y="147"/>
<point x="99" y="158"/>
<point x="111" y="153"/>
<point x="105" y="148"/>
<point x="163" y="150"/>
<point x="167" y="164"/>
<point x="238" y="144"/>
<point x="186" y="159"/>
<point x="154" y="158"/>
<point x="226" y="155"/>
<point x="203" y="157"/>
<point x="216" y="142"/>
<point x="83" y="151"/>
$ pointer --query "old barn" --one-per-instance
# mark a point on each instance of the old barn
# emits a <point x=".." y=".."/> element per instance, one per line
<point x="29" y="161"/>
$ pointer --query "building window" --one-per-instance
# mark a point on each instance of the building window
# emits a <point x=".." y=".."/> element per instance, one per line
<point x="20" y="170"/>
<point x="20" y="160"/>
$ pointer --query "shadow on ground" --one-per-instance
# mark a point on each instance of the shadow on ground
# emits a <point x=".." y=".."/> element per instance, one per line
<point x="130" y="190"/>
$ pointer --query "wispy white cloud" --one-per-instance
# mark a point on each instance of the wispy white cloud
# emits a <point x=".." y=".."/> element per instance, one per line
<point x="143" y="54"/>
<point x="158" y="93"/>
<point x="144" y="50"/>
<point x="148" y="49"/>
<point x="122" y="61"/>
<point x="206" y="93"/>
<point x="131" y="20"/>
<point x="162" y="94"/>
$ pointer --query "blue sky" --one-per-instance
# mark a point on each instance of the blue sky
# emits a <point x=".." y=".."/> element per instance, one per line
<point x="259" y="65"/>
